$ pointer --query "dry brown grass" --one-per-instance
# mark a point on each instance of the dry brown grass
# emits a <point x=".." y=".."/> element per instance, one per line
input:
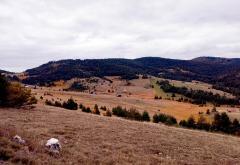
<point x="139" y="101"/>
<point x="91" y="139"/>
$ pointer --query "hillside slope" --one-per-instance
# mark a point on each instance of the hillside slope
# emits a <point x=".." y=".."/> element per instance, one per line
<point x="90" y="139"/>
<point x="217" y="71"/>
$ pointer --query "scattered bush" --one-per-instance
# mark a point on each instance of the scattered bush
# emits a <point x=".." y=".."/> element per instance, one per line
<point x="58" y="104"/>
<point x="70" y="104"/>
<point x="108" y="113"/>
<point x="155" y="118"/>
<point x="183" y="123"/>
<point x="80" y="106"/>
<point x="119" y="111"/>
<point x="131" y="114"/>
<point x="171" y="120"/>
<point x="104" y="108"/>
<point x="221" y="123"/>
<point x="202" y="123"/>
<point x="163" y="118"/>
<point x="48" y="102"/>
<point x="96" y="110"/>
<point x="191" y="123"/>
<point x="145" y="116"/>
<point x="87" y="110"/>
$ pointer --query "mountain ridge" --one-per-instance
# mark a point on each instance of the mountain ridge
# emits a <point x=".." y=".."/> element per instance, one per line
<point x="218" y="71"/>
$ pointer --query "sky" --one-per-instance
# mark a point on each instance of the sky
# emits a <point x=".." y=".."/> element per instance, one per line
<point x="33" y="32"/>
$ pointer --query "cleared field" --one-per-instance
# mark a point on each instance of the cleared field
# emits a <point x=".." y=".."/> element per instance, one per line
<point x="140" y="102"/>
<point x="136" y="93"/>
<point x="90" y="139"/>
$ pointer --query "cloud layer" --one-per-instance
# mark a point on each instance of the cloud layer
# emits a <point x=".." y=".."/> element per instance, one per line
<point x="36" y="31"/>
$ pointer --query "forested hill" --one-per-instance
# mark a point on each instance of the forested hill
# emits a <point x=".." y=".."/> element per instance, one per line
<point x="221" y="72"/>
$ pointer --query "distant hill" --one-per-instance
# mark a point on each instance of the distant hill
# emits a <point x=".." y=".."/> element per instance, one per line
<point x="3" y="71"/>
<point x="222" y="72"/>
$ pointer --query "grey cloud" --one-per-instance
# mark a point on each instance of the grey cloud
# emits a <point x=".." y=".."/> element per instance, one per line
<point x="36" y="31"/>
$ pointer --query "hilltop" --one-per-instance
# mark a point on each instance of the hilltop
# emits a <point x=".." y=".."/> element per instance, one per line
<point x="221" y="72"/>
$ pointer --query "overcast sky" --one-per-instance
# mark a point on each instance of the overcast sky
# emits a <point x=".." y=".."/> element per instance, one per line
<point x="33" y="32"/>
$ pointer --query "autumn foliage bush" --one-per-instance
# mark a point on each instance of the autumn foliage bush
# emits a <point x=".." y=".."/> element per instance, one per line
<point x="13" y="94"/>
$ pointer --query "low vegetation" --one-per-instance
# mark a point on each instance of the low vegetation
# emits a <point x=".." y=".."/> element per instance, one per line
<point x="13" y="94"/>
<point x="163" y="118"/>
<point x="70" y="104"/>
<point x="96" y="110"/>
<point x="221" y="123"/>
<point x="16" y="153"/>
<point x="131" y="114"/>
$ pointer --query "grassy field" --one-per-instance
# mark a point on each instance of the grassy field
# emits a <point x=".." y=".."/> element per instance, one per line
<point x="196" y="85"/>
<point x="91" y="139"/>
<point x="134" y="94"/>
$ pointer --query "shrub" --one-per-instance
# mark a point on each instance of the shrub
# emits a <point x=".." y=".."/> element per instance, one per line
<point x="183" y="123"/>
<point x="87" y="110"/>
<point x="70" y="104"/>
<point x="171" y="120"/>
<point x="14" y="94"/>
<point x="163" y="118"/>
<point x="17" y="95"/>
<point x="96" y="110"/>
<point x="104" y="108"/>
<point x="236" y="123"/>
<point x="155" y="118"/>
<point x="58" y="104"/>
<point x="134" y="114"/>
<point x="191" y="123"/>
<point x="80" y="106"/>
<point x="96" y="107"/>
<point x="108" y="113"/>
<point x="145" y="116"/>
<point x="235" y="127"/>
<point x="48" y="102"/>
<point x="221" y="122"/>
<point x="202" y="123"/>
<point x="119" y="111"/>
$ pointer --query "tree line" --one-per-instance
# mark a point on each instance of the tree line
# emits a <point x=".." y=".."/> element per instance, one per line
<point x="198" y="96"/>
